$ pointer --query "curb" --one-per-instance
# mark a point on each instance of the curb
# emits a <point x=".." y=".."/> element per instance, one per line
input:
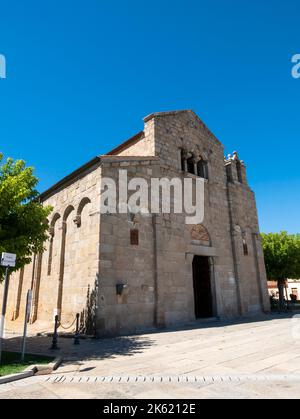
<point x="16" y="377"/>
<point x="32" y="370"/>
<point x="49" y="368"/>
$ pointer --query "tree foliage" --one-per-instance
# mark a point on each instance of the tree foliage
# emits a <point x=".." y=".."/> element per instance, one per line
<point x="282" y="255"/>
<point x="23" y="219"/>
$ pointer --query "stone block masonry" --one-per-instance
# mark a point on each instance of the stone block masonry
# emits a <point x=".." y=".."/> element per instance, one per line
<point x="125" y="273"/>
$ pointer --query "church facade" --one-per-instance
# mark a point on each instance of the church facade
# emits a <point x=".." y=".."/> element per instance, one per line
<point x="125" y="273"/>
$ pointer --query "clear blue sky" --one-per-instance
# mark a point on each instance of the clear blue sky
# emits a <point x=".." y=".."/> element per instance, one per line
<point x="82" y="74"/>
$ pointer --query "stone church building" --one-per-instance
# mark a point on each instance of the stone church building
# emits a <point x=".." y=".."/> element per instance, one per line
<point x="127" y="273"/>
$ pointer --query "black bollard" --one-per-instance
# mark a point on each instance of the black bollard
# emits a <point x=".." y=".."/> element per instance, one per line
<point x="55" y="335"/>
<point x="76" y="337"/>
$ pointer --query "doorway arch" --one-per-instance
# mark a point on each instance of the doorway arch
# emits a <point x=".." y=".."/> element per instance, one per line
<point x="203" y="292"/>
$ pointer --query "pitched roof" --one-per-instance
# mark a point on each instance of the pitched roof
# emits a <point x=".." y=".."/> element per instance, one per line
<point x="133" y="140"/>
<point x="69" y="178"/>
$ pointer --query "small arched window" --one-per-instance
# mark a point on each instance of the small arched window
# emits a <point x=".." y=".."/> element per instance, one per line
<point x="134" y="237"/>
<point x="191" y="165"/>
<point x="83" y="203"/>
<point x="52" y="234"/>
<point x="202" y="169"/>
<point x="245" y="245"/>
<point x="245" y="248"/>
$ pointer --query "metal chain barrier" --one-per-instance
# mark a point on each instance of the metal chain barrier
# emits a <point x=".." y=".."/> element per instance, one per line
<point x="58" y="324"/>
<point x="69" y="327"/>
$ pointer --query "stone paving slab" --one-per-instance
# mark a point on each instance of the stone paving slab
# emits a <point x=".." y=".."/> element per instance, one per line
<point x="251" y="359"/>
<point x="155" y="389"/>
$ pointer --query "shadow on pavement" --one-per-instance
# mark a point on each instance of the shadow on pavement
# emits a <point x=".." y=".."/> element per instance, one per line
<point x="88" y="348"/>
<point x="109" y="348"/>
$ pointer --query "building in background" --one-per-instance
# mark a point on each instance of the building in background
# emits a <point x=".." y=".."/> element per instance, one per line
<point x="292" y="287"/>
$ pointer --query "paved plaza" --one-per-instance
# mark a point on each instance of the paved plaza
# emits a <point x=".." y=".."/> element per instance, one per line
<point x="250" y="359"/>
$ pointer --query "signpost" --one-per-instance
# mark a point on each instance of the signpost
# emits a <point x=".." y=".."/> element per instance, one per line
<point x="27" y="316"/>
<point x="9" y="261"/>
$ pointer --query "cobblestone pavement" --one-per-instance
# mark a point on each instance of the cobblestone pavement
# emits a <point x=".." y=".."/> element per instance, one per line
<point x="252" y="359"/>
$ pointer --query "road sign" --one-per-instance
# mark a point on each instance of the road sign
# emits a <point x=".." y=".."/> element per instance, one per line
<point x="8" y="259"/>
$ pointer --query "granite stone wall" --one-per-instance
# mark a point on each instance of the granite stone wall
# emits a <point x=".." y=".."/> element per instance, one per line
<point x="129" y="272"/>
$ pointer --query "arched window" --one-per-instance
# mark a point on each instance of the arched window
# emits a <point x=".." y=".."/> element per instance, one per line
<point x="202" y="169"/>
<point x="66" y="216"/>
<point x="134" y="237"/>
<point x="83" y="203"/>
<point x="245" y="245"/>
<point x="55" y="218"/>
<point x="191" y="165"/>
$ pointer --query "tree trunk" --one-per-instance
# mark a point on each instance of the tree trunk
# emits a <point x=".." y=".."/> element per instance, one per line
<point x="281" y="284"/>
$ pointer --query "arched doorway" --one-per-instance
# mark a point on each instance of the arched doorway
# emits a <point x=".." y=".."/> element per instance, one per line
<point x="202" y="287"/>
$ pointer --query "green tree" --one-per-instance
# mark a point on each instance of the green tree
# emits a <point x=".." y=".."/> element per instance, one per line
<point x="23" y="219"/>
<point x="282" y="258"/>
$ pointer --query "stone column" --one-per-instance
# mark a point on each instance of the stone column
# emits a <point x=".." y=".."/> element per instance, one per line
<point x="159" y="308"/>
<point x="260" y="273"/>
<point x="61" y="267"/>
<point x="235" y="236"/>
<point x="189" y="283"/>
<point x="49" y="267"/>
<point x="214" y="290"/>
<point x="196" y="161"/>
<point x="36" y="289"/>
